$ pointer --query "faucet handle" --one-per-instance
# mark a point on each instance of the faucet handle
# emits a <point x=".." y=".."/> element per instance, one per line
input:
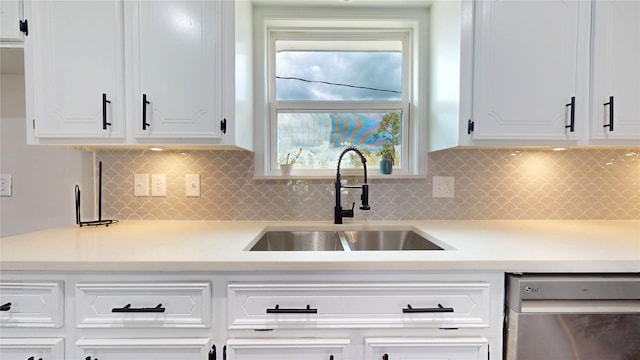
<point x="349" y="212"/>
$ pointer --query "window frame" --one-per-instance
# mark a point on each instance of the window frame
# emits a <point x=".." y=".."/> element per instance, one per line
<point x="275" y="23"/>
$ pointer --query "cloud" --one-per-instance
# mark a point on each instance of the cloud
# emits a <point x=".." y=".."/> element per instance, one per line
<point x="377" y="70"/>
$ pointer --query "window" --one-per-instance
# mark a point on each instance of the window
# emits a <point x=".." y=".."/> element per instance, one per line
<point x="333" y="83"/>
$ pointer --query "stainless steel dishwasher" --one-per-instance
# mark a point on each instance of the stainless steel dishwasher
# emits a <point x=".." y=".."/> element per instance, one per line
<point x="573" y="317"/>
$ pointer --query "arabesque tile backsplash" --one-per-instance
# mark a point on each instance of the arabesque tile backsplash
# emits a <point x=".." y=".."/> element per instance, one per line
<point x="489" y="184"/>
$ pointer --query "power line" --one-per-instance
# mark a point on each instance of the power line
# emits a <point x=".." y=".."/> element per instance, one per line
<point x="336" y="84"/>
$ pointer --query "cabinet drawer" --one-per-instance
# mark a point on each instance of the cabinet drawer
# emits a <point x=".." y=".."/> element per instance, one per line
<point x="287" y="349"/>
<point x="358" y="305"/>
<point x="41" y="348"/>
<point x="453" y="348"/>
<point x="143" y="349"/>
<point x="31" y="304"/>
<point x="152" y="305"/>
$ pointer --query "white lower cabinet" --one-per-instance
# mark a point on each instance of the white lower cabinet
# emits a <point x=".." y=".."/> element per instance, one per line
<point x="287" y="349"/>
<point x="468" y="348"/>
<point x="310" y="315"/>
<point x="143" y="349"/>
<point x="34" y="349"/>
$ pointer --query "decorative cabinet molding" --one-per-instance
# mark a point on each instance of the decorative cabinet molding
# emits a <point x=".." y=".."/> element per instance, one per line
<point x="357" y="305"/>
<point x="31" y="304"/>
<point x="458" y="348"/>
<point x="136" y="349"/>
<point x="525" y="74"/>
<point x="147" y="305"/>
<point x="35" y="348"/>
<point x="12" y="26"/>
<point x="139" y="73"/>
<point x="288" y="349"/>
<point x="616" y="72"/>
<point x="527" y="84"/>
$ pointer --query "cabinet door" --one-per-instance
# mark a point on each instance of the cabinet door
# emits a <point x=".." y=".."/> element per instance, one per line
<point x="75" y="66"/>
<point x="468" y="348"/>
<point x="287" y="349"/>
<point x="530" y="59"/>
<point x="177" y="70"/>
<point x="616" y="70"/>
<point x="142" y="349"/>
<point x="10" y="15"/>
<point x="23" y="349"/>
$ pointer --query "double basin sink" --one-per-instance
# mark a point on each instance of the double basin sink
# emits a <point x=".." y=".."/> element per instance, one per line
<point x="343" y="240"/>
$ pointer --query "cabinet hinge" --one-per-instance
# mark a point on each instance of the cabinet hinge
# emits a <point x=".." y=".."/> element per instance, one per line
<point x="223" y="126"/>
<point x="24" y="26"/>
<point x="471" y="125"/>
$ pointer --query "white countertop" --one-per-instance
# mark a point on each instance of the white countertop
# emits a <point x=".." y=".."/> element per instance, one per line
<point x="518" y="246"/>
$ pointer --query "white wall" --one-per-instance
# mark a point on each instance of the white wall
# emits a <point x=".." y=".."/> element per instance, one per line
<point x="43" y="178"/>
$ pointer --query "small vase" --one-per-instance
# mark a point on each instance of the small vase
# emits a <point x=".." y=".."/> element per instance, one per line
<point x="285" y="169"/>
<point x="386" y="165"/>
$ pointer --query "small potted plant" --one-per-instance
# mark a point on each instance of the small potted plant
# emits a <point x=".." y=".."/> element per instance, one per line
<point x="389" y="133"/>
<point x="287" y="164"/>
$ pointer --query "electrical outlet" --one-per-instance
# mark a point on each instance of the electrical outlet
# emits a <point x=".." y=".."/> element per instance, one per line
<point x="141" y="185"/>
<point x="443" y="186"/>
<point x="6" y="184"/>
<point x="158" y="184"/>
<point x="193" y="185"/>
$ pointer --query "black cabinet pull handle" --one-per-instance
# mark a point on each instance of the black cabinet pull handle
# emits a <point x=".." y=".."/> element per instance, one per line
<point x="439" y="309"/>
<point x="89" y="358"/>
<point x="128" y="309"/>
<point x="572" y="124"/>
<point x="330" y="357"/>
<point x="33" y="358"/>
<point x="385" y="357"/>
<point x="212" y="353"/>
<point x="610" y="103"/>
<point x="144" y="112"/>
<point x="5" y="307"/>
<point x="104" y="112"/>
<point x="277" y="310"/>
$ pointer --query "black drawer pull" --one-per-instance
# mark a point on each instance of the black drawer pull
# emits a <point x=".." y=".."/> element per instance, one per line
<point x="439" y="309"/>
<point x="128" y="309"/>
<point x="5" y="307"/>
<point x="33" y="358"/>
<point x="277" y="310"/>
<point x="385" y="357"/>
<point x="89" y="358"/>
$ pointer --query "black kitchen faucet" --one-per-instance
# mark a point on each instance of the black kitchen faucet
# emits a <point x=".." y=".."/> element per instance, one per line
<point x="338" y="211"/>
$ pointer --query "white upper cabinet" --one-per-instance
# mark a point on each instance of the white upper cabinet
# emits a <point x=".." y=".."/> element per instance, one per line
<point x="616" y="72"/>
<point x="137" y="73"/>
<point x="74" y="70"/>
<point x="176" y="58"/>
<point x="530" y="70"/>
<point x="12" y="30"/>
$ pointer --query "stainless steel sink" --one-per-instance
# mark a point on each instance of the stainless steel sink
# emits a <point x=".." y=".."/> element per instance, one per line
<point x="298" y="241"/>
<point x="343" y="240"/>
<point x="388" y="240"/>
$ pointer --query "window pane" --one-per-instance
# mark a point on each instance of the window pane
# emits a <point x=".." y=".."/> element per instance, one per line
<point x="338" y="75"/>
<point x="316" y="139"/>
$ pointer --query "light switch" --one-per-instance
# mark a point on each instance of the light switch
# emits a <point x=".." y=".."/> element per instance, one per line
<point x="193" y="185"/>
<point x="141" y="185"/>
<point x="6" y="184"/>
<point x="158" y="184"/>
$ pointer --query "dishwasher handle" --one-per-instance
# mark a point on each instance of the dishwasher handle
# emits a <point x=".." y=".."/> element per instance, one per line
<point x="579" y="306"/>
